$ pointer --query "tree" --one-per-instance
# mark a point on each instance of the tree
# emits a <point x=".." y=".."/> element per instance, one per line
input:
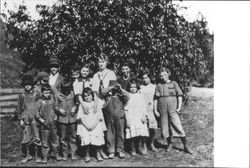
<point x="150" y="34"/>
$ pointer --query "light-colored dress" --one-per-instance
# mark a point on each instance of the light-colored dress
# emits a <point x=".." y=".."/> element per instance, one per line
<point x="78" y="86"/>
<point x="135" y="111"/>
<point x="96" y="136"/>
<point x="148" y="92"/>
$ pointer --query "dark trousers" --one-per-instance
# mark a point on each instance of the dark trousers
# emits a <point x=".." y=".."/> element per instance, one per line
<point x="49" y="136"/>
<point x="115" y="134"/>
<point x="68" y="138"/>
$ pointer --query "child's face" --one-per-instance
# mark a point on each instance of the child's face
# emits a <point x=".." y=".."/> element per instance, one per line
<point x="87" y="97"/>
<point x="125" y="71"/>
<point x="75" y="75"/>
<point x="85" y="72"/>
<point x="145" y="79"/>
<point x="28" y="87"/>
<point x="102" y="64"/>
<point x="164" y="76"/>
<point x="133" y="88"/>
<point x="46" y="94"/>
<point x="54" y="69"/>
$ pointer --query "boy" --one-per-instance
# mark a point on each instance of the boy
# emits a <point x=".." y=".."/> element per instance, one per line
<point x="126" y="76"/>
<point x="46" y="105"/>
<point x="27" y="113"/>
<point x="55" y="78"/>
<point x="113" y="113"/>
<point x="65" y="105"/>
<point x="42" y="78"/>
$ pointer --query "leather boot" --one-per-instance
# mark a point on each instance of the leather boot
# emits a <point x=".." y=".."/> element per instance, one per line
<point x="37" y="154"/>
<point x="28" y="156"/>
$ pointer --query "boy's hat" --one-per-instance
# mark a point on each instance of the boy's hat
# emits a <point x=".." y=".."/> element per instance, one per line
<point x="54" y="61"/>
<point x="112" y="83"/>
<point x="75" y="68"/>
<point x="66" y="84"/>
<point x="27" y="79"/>
<point x="42" y="76"/>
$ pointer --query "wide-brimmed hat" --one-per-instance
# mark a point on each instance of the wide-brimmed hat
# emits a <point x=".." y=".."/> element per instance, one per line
<point x="27" y="79"/>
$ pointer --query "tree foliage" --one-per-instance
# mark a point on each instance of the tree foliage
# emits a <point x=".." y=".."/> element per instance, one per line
<point x="150" y="34"/>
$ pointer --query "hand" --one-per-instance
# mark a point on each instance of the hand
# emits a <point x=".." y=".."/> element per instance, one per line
<point x="62" y="111"/>
<point x="143" y="119"/>
<point x="157" y="113"/>
<point x="128" y="125"/>
<point x="74" y="109"/>
<point x="42" y="120"/>
<point x="178" y="111"/>
<point x="21" y="123"/>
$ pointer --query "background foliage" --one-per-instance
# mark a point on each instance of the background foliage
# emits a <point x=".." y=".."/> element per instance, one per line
<point x="149" y="34"/>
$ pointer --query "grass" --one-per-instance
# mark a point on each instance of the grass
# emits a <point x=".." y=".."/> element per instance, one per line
<point x="197" y="118"/>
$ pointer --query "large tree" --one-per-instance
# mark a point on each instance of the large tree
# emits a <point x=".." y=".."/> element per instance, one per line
<point x="148" y="33"/>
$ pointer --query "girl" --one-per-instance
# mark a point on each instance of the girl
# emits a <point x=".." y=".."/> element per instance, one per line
<point x="90" y="128"/>
<point x="148" y="90"/>
<point x="169" y="101"/>
<point x="101" y="81"/>
<point x="135" y="114"/>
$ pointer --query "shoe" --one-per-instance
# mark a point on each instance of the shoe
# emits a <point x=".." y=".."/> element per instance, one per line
<point x="133" y="153"/>
<point x="144" y="151"/>
<point x="188" y="151"/>
<point x="58" y="158"/>
<point x="87" y="159"/>
<point x="26" y="159"/>
<point x="98" y="157"/>
<point x="111" y="156"/>
<point x="169" y="148"/>
<point x="121" y="155"/>
<point x="44" y="161"/>
<point x="104" y="156"/>
<point x="38" y="160"/>
<point x="73" y="157"/>
<point x="153" y="148"/>
<point x="64" y="158"/>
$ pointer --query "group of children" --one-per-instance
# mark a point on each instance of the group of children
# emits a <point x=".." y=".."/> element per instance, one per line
<point x="102" y="112"/>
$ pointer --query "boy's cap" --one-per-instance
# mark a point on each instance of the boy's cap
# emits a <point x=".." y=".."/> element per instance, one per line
<point x="27" y="79"/>
<point x="112" y="83"/>
<point x="54" y="61"/>
<point x="75" y="68"/>
<point x="66" y="84"/>
<point x="42" y="76"/>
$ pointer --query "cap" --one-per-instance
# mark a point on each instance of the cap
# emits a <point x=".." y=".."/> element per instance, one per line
<point x="45" y="87"/>
<point x="54" y="61"/>
<point x="42" y="76"/>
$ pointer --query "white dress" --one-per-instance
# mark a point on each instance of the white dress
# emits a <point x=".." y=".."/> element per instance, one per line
<point x="136" y="111"/>
<point x="96" y="136"/>
<point x="148" y="92"/>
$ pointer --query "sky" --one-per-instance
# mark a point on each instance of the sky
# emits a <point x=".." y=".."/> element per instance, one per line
<point x="193" y="8"/>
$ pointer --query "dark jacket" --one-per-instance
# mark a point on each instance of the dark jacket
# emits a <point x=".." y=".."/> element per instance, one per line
<point x="65" y="102"/>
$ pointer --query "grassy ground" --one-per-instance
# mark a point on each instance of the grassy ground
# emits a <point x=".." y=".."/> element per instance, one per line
<point x="198" y="122"/>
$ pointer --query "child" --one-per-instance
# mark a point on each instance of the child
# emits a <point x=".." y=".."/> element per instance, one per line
<point x="55" y="78"/>
<point x="90" y="128"/>
<point x="135" y="113"/>
<point x="124" y="80"/>
<point x="169" y="101"/>
<point x="101" y="81"/>
<point x="113" y="111"/>
<point x="65" y="105"/>
<point x="27" y="113"/>
<point x="46" y="105"/>
<point x="42" y="78"/>
<point x="148" y="90"/>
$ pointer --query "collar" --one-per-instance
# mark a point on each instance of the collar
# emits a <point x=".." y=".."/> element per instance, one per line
<point x="56" y="75"/>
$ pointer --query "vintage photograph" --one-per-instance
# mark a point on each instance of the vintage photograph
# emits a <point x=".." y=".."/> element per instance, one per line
<point x="107" y="83"/>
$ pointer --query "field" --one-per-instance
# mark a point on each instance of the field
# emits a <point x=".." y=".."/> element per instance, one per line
<point x="198" y="122"/>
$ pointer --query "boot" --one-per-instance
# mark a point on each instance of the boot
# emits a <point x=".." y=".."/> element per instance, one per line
<point x="133" y="150"/>
<point x="45" y="152"/>
<point x="104" y="156"/>
<point x="28" y="156"/>
<point x="87" y="157"/>
<point x="58" y="157"/>
<point x="144" y="151"/>
<point x="37" y="154"/>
